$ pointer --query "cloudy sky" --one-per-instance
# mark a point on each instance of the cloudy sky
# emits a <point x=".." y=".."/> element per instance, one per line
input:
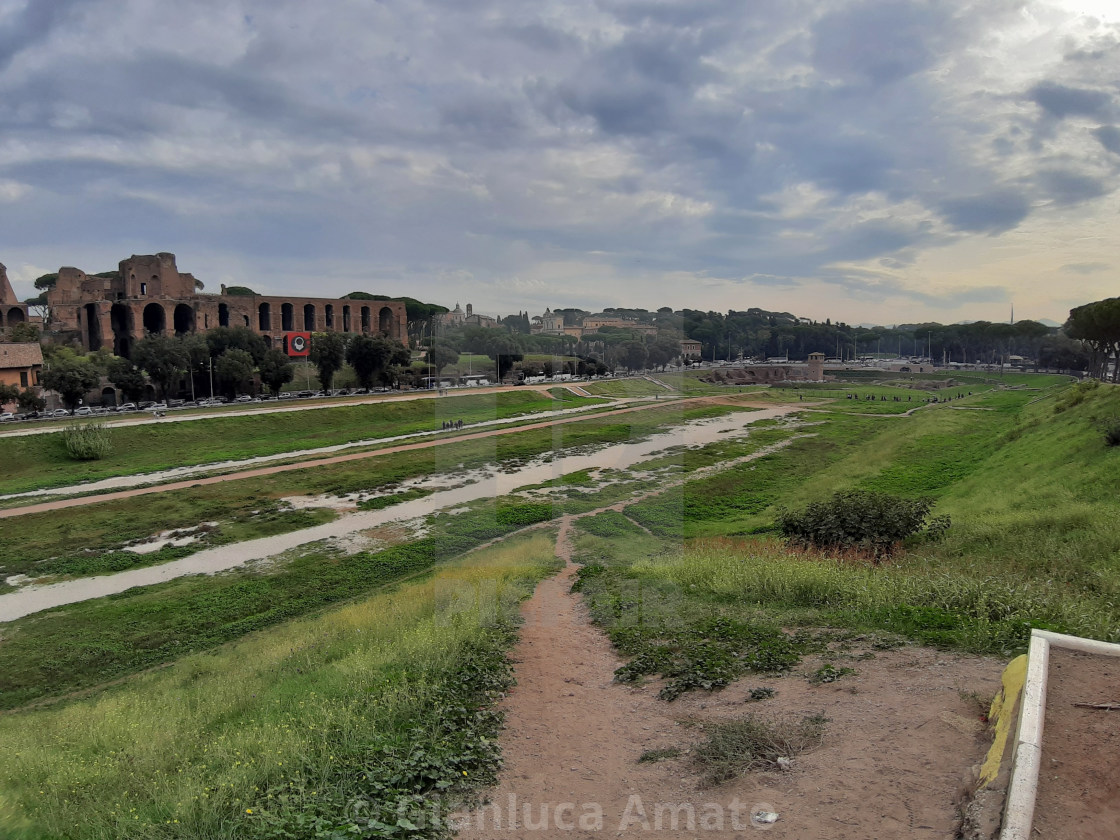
<point x="876" y="160"/>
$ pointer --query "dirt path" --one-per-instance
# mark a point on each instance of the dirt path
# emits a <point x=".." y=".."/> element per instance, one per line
<point x="902" y="734"/>
<point x="338" y="459"/>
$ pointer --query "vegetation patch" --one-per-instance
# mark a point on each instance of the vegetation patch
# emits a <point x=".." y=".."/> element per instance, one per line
<point x="875" y="523"/>
<point x="87" y="441"/>
<point x="375" y="719"/>
<point x="736" y="747"/>
<point x="92" y="642"/>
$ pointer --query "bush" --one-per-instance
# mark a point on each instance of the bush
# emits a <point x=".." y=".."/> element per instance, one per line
<point x="1112" y="432"/>
<point x="861" y="520"/>
<point x="87" y="441"/>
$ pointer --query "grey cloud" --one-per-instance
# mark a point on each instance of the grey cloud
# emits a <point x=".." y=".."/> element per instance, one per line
<point x="1086" y="267"/>
<point x="880" y="41"/>
<point x="1061" y="101"/>
<point x="1068" y="187"/>
<point x="994" y="212"/>
<point x="1109" y="137"/>
<point x="30" y="26"/>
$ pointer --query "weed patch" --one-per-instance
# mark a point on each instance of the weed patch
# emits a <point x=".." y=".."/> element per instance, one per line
<point x="741" y="746"/>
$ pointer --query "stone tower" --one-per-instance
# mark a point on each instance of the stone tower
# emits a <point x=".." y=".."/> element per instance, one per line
<point x="7" y="293"/>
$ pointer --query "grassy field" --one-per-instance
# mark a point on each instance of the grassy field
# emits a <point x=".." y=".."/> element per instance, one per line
<point x="1034" y="541"/>
<point x="87" y="540"/>
<point x="369" y="711"/>
<point x="634" y="387"/>
<point x="40" y="461"/>
<point x="284" y="700"/>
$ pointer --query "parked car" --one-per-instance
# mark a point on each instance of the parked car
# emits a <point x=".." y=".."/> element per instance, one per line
<point x="60" y="412"/>
<point x="244" y="398"/>
<point x="128" y="406"/>
<point x="84" y="411"/>
<point x="7" y="415"/>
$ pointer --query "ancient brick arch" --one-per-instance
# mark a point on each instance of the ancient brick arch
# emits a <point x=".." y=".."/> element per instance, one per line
<point x="122" y="325"/>
<point x="16" y="315"/>
<point x="155" y="319"/>
<point x="385" y="321"/>
<point x="184" y="320"/>
<point x="93" y="326"/>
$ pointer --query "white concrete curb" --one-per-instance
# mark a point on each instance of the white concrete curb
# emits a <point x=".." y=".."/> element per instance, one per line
<point x="1018" y="813"/>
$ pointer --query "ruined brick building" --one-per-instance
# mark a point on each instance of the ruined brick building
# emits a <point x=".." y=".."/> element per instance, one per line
<point x="148" y="295"/>
<point x="12" y="312"/>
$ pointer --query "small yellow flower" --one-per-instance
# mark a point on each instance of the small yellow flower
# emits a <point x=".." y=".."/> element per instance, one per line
<point x="464" y="772"/>
<point x="248" y="810"/>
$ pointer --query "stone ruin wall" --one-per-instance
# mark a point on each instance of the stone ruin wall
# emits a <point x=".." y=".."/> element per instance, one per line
<point x="12" y="312"/>
<point x="150" y="296"/>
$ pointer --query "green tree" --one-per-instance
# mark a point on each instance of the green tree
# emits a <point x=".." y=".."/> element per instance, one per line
<point x="30" y="401"/>
<point x="504" y="349"/>
<point x="234" y="372"/>
<point x="71" y="378"/>
<point x="24" y="333"/>
<point x="221" y="339"/>
<point x="328" y="352"/>
<point x="163" y="357"/>
<point x="240" y="291"/>
<point x="634" y="355"/>
<point x="129" y="378"/>
<point x="372" y="356"/>
<point x="1098" y="325"/>
<point x="46" y="282"/>
<point x="441" y="355"/>
<point x="276" y="370"/>
<point x="8" y="393"/>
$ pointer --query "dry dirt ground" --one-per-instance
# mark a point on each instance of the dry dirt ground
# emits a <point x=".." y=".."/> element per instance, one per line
<point x="1079" y="777"/>
<point x="902" y="736"/>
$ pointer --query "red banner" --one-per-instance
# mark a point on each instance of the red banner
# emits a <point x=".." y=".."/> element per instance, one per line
<point x="297" y="344"/>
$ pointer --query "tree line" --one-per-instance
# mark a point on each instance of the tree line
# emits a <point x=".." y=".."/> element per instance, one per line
<point x="228" y="358"/>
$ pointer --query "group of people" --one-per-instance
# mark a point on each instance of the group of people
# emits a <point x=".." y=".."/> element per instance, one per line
<point x="452" y="425"/>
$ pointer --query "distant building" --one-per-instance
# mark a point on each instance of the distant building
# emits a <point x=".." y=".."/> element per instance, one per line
<point x="458" y="318"/>
<point x="12" y="312"/>
<point x="550" y="323"/>
<point x="593" y="323"/>
<point x="21" y="364"/>
<point x="148" y="295"/>
<point x="691" y="349"/>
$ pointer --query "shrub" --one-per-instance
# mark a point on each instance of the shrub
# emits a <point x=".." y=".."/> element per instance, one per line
<point x="861" y="520"/>
<point x="87" y="441"/>
<point x="1112" y="432"/>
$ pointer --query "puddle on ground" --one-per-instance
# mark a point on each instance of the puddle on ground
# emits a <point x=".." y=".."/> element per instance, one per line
<point x="487" y="483"/>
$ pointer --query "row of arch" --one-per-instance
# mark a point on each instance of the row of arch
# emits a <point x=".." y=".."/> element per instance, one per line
<point x="183" y="321"/>
<point x="15" y="315"/>
<point x="309" y="322"/>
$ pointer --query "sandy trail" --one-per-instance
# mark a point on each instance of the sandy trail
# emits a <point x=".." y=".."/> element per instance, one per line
<point x="902" y="733"/>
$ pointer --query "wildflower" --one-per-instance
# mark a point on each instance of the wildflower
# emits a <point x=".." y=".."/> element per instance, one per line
<point x="248" y="810"/>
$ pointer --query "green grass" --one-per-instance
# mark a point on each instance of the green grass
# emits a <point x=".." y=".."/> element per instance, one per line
<point x="239" y="506"/>
<point x="634" y="387"/>
<point x="688" y="383"/>
<point x="296" y="731"/>
<point x="1034" y="542"/>
<point x="92" y="642"/>
<point x="40" y="461"/>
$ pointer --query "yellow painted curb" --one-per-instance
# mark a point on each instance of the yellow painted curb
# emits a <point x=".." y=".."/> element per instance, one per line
<point x="1003" y="714"/>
